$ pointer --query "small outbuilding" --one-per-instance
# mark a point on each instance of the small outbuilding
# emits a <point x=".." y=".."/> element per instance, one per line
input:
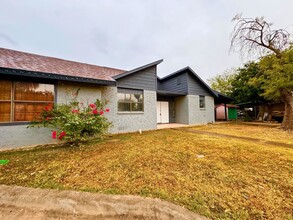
<point x="231" y="112"/>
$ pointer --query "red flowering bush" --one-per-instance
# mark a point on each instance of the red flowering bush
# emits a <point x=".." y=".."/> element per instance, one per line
<point x="74" y="122"/>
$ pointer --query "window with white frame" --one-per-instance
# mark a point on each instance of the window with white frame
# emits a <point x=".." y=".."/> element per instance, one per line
<point x="21" y="101"/>
<point x="130" y="100"/>
<point x="202" y="103"/>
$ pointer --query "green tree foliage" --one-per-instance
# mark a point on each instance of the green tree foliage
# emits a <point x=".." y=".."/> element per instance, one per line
<point x="223" y="82"/>
<point x="242" y="90"/>
<point x="237" y="84"/>
<point x="276" y="76"/>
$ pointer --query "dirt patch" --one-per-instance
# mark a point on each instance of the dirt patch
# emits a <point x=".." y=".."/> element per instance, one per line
<point x="28" y="203"/>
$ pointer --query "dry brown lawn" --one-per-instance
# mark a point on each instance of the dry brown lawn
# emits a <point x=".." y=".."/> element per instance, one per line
<point x="245" y="130"/>
<point x="235" y="179"/>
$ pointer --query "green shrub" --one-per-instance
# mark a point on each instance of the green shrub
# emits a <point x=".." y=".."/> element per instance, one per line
<point x="74" y="122"/>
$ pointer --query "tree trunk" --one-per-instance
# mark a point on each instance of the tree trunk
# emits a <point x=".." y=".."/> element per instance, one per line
<point x="287" y="123"/>
<point x="260" y="113"/>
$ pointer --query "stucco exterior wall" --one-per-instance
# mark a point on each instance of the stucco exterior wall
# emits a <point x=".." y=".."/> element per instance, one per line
<point x="128" y="122"/>
<point x="188" y="111"/>
<point x="87" y="94"/>
<point x="12" y="136"/>
<point x="182" y="110"/>
<point x="201" y="116"/>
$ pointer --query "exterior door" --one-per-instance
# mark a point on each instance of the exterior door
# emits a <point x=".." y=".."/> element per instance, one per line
<point x="162" y="112"/>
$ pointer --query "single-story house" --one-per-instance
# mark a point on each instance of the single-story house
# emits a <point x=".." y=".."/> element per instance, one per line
<point x="138" y="98"/>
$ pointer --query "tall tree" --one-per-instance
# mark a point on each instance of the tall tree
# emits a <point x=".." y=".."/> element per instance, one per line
<point x="255" y="36"/>
<point x="223" y="82"/>
<point x="236" y="83"/>
<point x="276" y="81"/>
<point x="242" y="90"/>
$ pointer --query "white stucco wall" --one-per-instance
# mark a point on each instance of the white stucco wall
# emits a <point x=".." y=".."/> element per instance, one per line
<point x="188" y="111"/>
<point x="128" y="122"/>
<point x="87" y="94"/>
<point x="181" y="110"/>
<point x="201" y="116"/>
<point x="12" y="136"/>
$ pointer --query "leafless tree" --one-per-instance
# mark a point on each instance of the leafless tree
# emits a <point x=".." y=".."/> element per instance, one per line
<point x="254" y="36"/>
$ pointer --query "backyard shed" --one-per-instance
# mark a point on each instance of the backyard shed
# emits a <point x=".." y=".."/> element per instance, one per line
<point x="231" y="112"/>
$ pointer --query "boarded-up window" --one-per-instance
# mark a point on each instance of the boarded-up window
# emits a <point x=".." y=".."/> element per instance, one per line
<point x="21" y="101"/>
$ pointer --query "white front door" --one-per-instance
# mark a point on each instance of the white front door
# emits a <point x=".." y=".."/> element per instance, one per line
<point x="162" y="112"/>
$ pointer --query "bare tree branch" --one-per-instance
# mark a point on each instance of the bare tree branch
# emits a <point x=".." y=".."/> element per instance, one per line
<point x="251" y="36"/>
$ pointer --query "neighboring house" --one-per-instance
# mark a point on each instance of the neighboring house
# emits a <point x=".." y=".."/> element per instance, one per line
<point x="138" y="99"/>
<point x="229" y="114"/>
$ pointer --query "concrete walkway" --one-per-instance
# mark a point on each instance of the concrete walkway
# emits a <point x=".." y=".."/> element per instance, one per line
<point x="171" y="125"/>
<point x="29" y="203"/>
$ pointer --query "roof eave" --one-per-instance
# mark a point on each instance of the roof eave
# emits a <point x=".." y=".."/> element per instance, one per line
<point x="19" y="72"/>
<point x="170" y="93"/>
<point x="137" y="69"/>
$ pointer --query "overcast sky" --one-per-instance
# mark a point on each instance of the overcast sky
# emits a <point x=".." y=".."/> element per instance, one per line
<point x="129" y="33"/>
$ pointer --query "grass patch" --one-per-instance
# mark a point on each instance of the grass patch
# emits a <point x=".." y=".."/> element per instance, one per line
<point x="234" y="180"/>
<point x="253" y="131"/>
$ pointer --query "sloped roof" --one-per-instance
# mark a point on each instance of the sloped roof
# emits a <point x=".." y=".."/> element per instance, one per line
<point x="138" y="69"/>
<point x="193" y="74"/>
<point x="31" y="62"/>
<point x="221" y="98"/>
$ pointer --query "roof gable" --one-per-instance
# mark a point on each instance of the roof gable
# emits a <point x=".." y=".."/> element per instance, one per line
<point x="127" y="73"/>
<point x="193" y="74"/>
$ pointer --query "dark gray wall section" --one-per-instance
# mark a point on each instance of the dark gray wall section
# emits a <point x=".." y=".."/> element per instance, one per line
<point x="145" y="79"/>
<point x="176" y="84"/>
<point x="196" y="88"/>
<point x="159" y="85"/>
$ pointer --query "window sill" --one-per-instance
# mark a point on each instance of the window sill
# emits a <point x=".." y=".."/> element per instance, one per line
<point x="202" y="108"/>
<point x="129" y="113"/>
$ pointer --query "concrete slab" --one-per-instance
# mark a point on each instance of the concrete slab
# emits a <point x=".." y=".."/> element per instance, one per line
<point x="171" y="125"/>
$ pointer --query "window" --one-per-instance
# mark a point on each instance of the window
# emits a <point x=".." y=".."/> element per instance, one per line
<point x="21" y="101"/>
<point x="130" y="100"/>
<point x="202" y="103"/>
